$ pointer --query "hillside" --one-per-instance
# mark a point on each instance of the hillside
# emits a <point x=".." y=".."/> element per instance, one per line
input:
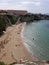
<point x="7" y="20"/>
<point x="10" y="17"/>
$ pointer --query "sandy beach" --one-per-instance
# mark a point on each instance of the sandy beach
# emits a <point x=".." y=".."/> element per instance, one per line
<point x="11" y="45"/>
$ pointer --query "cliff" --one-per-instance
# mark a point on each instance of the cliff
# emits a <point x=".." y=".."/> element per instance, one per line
<point x="10" y="17"/>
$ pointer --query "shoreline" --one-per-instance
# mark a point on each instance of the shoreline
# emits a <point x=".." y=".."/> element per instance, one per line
<point x="14" y="49"/>
<point x="26" y="46"/>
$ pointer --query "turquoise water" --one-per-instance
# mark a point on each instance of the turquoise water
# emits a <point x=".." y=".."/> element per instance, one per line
<point x="36" y="36"/>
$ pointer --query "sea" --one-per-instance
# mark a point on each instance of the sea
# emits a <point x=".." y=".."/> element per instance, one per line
<point x="36" y="38"/>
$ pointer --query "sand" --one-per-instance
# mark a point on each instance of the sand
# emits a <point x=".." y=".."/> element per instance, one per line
<point x="11" y="46"/>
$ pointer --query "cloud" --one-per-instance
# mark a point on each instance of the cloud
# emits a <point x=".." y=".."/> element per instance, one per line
<point x="37" y="3"/>
<point x="29" y="3"/>
<point x="17" y="3"/>
<point x="3" y="3"/>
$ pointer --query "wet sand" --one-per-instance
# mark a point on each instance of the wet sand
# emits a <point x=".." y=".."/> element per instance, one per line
<point x="11" y="46"/>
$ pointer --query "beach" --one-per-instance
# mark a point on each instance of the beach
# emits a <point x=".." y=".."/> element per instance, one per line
<point x="12" y="48"/>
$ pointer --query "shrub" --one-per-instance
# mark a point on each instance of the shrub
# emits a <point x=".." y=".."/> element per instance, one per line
<point x="2" y="63"/>
<point x="13" y="63"/>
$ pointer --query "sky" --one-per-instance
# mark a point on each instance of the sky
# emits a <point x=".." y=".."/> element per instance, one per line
<point x="34" y="6"/>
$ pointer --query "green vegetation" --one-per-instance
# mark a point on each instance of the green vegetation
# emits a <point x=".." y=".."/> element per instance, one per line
<point x="33" y="17"/>
<point x="13" y="63"/>
<point x="2" y="63"/>
<point x="13" y="19"/>
<point x="2" y="25"/>
<point x="10" y="19"/>
<point x="6" y="20"/>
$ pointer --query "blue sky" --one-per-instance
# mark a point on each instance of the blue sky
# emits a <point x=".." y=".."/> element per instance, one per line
<point x="34" y="6"/>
